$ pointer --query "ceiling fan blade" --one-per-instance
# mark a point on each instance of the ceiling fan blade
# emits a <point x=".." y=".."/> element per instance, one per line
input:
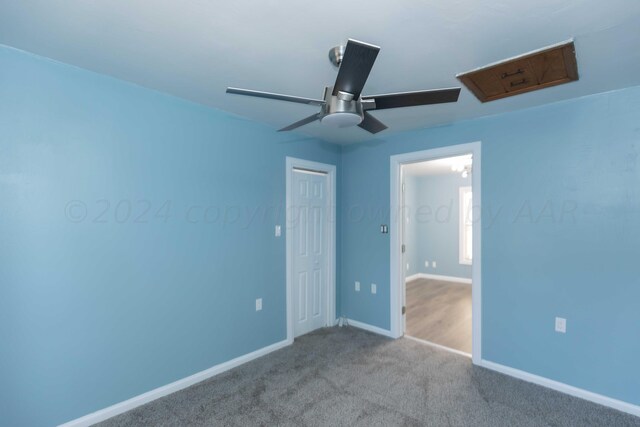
<point x="302" y="122"/>
<point x="412" y="99"/>
<point x="355" y="67"/>
<point x="371" y="124"/>
<point x="277" y="96"/>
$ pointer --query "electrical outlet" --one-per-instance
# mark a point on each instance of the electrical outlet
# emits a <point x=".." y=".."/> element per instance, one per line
<point x="357" y="286"/>
<point x="374" y="288"/>
<point x="426" y="263"/>
<point x="433" y="264"/>
<point x="407" y="266"/>
<point x="561" y="325"/>
<point x="259" y="304"/>
<point x="278" y="231"/>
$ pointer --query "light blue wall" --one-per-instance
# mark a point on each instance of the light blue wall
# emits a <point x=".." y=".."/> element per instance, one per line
<point x="581" y="156"/>
<point x="93" y="313"/>
<point x="433" y="229"/>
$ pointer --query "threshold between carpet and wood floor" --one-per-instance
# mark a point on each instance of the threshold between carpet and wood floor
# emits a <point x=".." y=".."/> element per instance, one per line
<point x="346" y="376"/>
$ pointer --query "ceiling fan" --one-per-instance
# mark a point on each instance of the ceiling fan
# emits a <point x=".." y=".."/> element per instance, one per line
<point x="343" y="104"/>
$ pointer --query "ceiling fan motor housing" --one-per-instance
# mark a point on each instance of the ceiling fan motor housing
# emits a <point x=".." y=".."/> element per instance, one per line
<point x="336" y="54"/>
<point x="341" y="110"/>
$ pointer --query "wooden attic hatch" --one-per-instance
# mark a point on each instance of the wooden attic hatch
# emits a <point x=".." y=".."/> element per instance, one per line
<point x="546" y="67"/>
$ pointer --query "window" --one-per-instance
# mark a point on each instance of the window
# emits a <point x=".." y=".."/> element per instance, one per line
<point x="466" y="225"/>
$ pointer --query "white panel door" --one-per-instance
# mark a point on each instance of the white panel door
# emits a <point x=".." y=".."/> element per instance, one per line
<point x="310" y="207"/>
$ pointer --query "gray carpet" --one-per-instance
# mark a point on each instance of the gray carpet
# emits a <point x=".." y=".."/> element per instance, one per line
<point x="346" y="376"/>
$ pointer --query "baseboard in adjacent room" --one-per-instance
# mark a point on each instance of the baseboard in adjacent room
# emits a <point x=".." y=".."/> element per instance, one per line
<point x="134" y="402"/>
<point x="413" y="277"/>
<point x="563" y="388"/>
<point x="438" y="277"/>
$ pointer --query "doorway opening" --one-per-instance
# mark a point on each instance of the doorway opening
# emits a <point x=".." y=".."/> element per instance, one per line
<point x="435" y="248"/>
<point x="438" y="255"/>
<point x="310" y="246"/>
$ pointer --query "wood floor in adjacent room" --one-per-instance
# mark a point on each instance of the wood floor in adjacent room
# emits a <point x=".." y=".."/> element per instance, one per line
<point x="440" y="312"/>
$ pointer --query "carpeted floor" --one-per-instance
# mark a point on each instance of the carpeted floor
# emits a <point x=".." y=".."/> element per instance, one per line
<point x="348" y="377"/>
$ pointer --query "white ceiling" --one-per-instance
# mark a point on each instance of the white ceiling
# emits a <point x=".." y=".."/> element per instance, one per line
<point x="436" y="167"/>
<point x="195" y="48"/>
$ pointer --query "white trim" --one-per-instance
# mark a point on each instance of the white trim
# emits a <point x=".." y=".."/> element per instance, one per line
<point x="438" y="346"/>
<point x="414" y="277"/>
<point x="330" y="170"/>
<point x="462" y="241"/>
<point x="464" y="280"/>
<point x="134" y="402"/>
<point x="370" y="328"/>
<point x="397" y="271"/>
<point x="563" y="388"/>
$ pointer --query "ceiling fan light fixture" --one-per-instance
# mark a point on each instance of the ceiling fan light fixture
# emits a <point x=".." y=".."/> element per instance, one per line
<point x="343" y="104"/>
<point x="341" y="120"/>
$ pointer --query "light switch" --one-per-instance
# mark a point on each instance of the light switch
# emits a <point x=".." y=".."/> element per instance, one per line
<point x="374" y="288"/>
<point x="561" y="325"/>
<point x="278" y="231"/>
<point x="259" y="304"/>
<point x="357" y="286"/>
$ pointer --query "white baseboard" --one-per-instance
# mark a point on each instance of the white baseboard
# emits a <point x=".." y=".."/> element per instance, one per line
<point x="438" y="277"/>
<point x="563" y="388"/>
<point x="370" y="328"/>
<point x="159" y="392"/>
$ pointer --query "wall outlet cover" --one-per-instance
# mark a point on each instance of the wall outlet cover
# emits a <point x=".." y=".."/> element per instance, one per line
<point x="426" y="263"/>
<point x="278" y="231"/>
<point x="259" y="304"/>
<point x="433" y="264"/>
<point x="374" y="288"/>
<point x="357" y="286"/>
<point x="561" y="325"/>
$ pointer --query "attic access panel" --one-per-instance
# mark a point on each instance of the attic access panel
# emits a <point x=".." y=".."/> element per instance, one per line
<point x="532" y="71"/>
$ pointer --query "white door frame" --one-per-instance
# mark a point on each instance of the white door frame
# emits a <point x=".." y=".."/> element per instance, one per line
<point x="330" y="234"/>
<point x="398" y="273"/>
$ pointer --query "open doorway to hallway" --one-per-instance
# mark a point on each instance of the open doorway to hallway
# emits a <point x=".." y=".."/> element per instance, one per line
<point x="437" y="259"/>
